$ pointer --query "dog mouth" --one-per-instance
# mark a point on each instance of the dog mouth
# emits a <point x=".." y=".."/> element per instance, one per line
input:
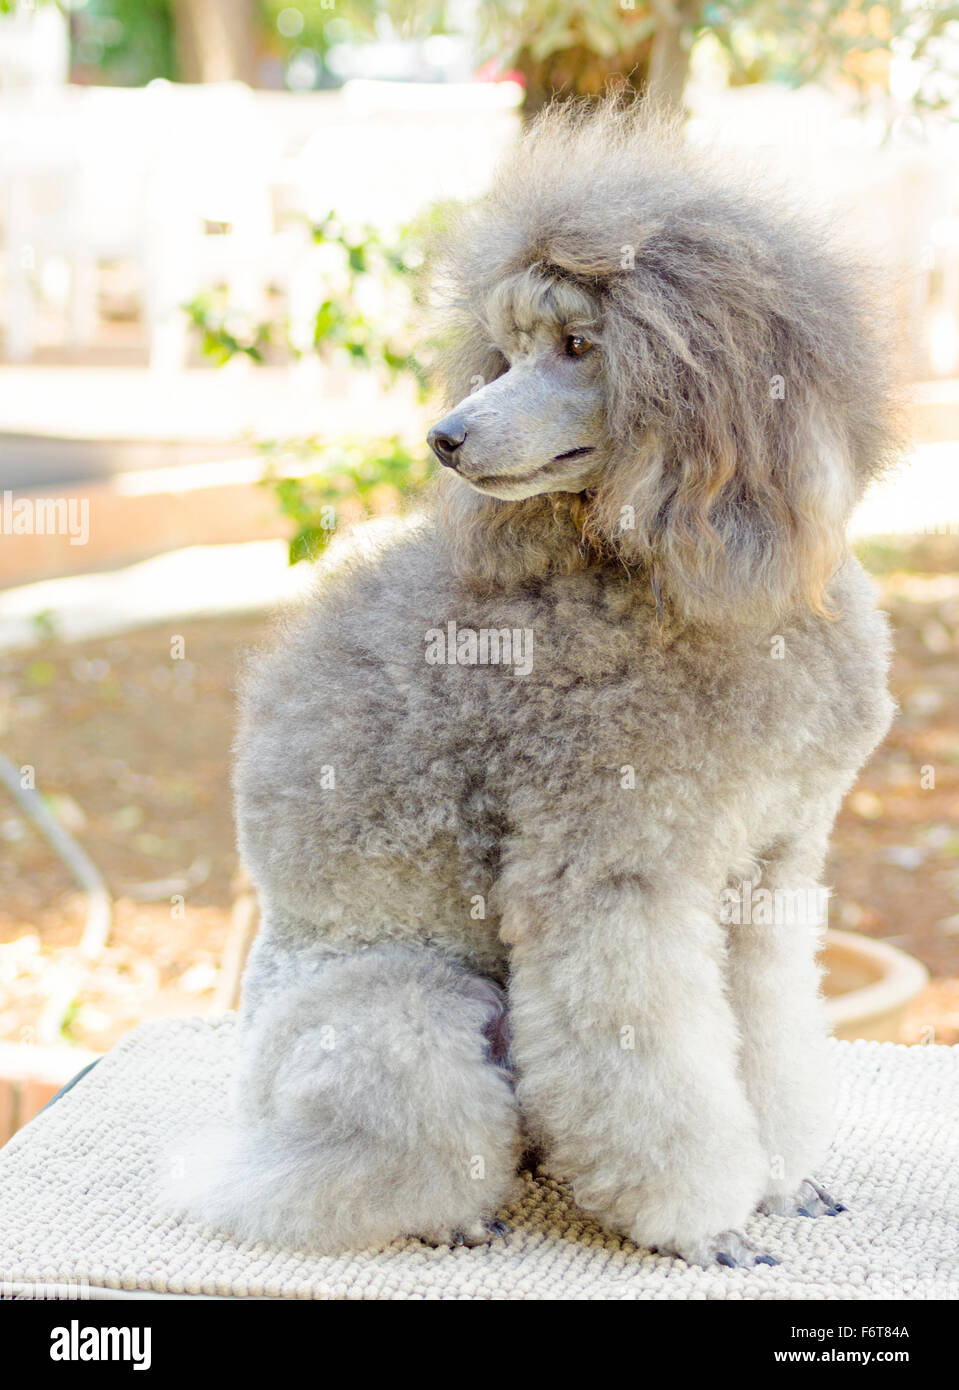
<point x="495" y="480"/>
<point x="574" y="453"/>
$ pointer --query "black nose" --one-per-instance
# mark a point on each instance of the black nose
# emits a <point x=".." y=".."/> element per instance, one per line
<point x="444" y="439"/>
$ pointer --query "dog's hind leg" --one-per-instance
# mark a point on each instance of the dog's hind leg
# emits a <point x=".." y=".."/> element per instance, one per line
<point x="372" y="1103"/>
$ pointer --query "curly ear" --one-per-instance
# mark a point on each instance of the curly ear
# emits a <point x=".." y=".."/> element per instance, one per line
<point x="733" y="531"/>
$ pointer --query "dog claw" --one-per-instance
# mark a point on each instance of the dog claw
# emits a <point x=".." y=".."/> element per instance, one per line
<point x="811" y="1200"/>
<point x="731" y="1249"/>
<point x="480" y="1234"/>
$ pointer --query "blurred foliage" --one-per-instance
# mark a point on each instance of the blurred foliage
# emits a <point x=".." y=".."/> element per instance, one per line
<point x="409" y="19"/>
<point x="362" y="260"/>
<point x="545" y="27"/>
<point x="44" y="625"/>
<point x="224" y="334"/>
<point x="786" y="41"/>
<point x="789" y="41"/>
<point x="909" y="554"/>
<point x="70" y="1019"/>
<point x="312" y="28"/>
<point x="573" y="46"/>
<point x="358" y="479"/>
<point x="40" y="673"/>
<point x="359" y="268"/>
<point x="354" y="480"/>
<point x="125" y="43"/>
<point x="576" y="46"/>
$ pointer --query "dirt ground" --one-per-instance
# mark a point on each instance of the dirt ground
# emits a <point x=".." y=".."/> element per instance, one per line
<point x="131" y="746"/>
<point x="132" y="749"/>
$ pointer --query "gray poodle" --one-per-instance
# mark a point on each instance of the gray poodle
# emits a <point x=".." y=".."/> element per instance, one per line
<point x="536" y="797"/>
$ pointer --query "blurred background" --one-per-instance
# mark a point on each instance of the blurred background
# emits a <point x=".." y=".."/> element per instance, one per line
<point x="215" y="359"/>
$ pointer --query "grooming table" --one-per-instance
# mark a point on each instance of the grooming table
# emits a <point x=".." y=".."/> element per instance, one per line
<point x="78" y="1201"/>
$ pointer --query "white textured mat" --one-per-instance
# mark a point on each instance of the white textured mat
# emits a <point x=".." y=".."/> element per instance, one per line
<point x="77" y="1201"/>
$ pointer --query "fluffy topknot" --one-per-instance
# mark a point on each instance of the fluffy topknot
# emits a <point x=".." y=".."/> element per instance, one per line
<point x="747" y="389"/>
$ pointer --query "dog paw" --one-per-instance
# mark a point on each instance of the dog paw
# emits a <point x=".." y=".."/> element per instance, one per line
<point x="729" y="1248"/>
<point x="479" y="1233"/>
<point x="809" y="1200"/>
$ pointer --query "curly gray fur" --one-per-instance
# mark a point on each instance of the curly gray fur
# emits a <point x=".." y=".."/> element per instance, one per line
<point x="664" y="536"/>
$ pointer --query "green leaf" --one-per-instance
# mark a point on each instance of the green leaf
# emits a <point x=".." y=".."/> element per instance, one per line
<point x="307" y="544"/>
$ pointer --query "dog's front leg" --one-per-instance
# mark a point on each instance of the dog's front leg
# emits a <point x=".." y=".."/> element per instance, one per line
<point x="774" y="978"/>
<point x="626" y="1053"/>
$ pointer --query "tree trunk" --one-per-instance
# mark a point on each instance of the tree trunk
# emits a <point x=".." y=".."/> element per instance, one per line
<point x="669" y="59"/>
<point x="578" y="71"/>
<point x="216" y="40"/>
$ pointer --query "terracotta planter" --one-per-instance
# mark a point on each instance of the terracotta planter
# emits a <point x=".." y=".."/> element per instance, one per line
<point x="30" y="1076"/>
<point x="868" y="986"/>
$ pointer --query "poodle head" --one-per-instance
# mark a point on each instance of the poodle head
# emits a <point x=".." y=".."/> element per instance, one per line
<point x="540" y="426"/>
<point x="653" y="366"/>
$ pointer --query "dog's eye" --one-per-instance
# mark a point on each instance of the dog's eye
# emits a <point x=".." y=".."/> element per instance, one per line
<point x="577" y="346"/>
